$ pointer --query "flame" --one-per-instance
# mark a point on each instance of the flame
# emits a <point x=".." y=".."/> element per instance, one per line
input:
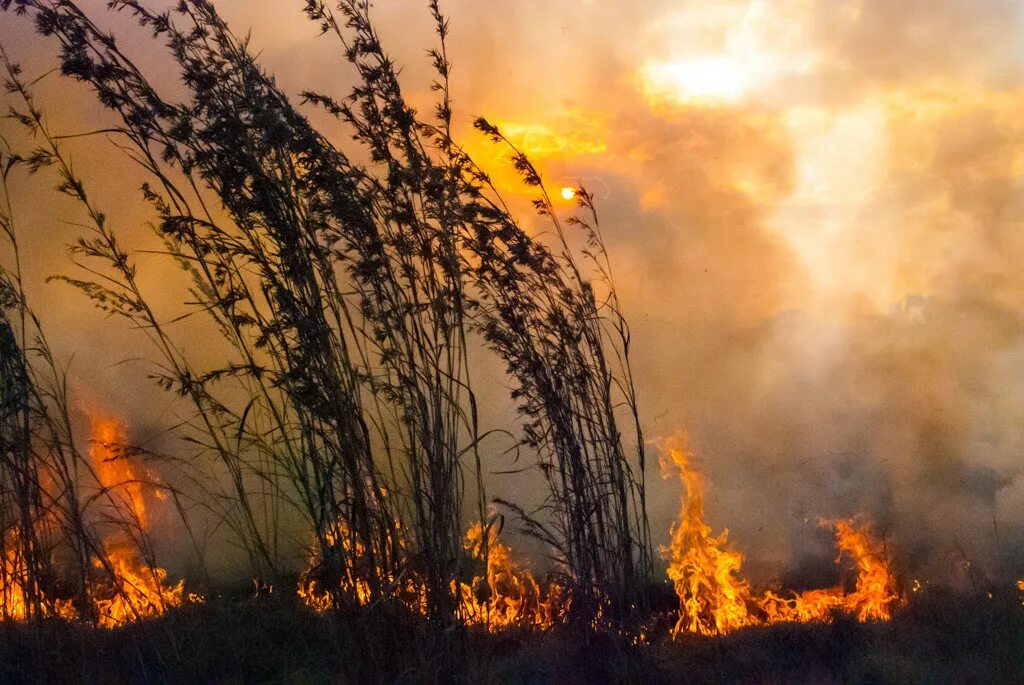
<point x="512" y="596"/>
<point x="506" y="596"/>
<point x="714" y="599"/>
<point x="14" y="593"/>
<point x="133" y="589"/>
<point x="138" y="591"/>
<point x="875" y="592"/>
<point x="113" y="468"/>
<point x="313" y="591"/>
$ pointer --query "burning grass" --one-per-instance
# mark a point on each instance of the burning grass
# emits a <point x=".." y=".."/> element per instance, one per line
<point x="16" y="592"/>
<point x="714" y="599"/>
<point x="135" y="591"/>
<point x="505" y="596"/>
<point x="348" y="298"/>
<point x="130" y="587"/>
<point x="123" y="586"/>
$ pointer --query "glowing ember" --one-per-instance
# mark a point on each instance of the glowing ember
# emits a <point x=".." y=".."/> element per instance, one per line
<point x="714" y="599"/>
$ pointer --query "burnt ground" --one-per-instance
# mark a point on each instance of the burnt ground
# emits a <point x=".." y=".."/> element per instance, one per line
<point x="940" y="637"/>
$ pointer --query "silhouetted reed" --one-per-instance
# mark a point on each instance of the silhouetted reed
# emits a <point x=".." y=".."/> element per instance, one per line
<point x="350" y="293"/>
<point x="55" y="510"/>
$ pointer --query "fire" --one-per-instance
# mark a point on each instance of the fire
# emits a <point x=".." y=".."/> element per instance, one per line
<point x="14" y="591"/>
<point x="113" y="468"/>
<point x="875" y="592"/>
<point x="312" y="590"/>
<point x="714" y="599"/>
<point x="125" y="587"/>
<point x="513" y="598"/>
<point x="133" y="588"/>
<point x="138" y="591"/>
<point x="506" y="596"/>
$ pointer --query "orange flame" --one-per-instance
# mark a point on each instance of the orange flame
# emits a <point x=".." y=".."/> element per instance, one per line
<point x="511" y="595"/>
<point x="714" y="599"/>
<point x="137" y="592"/>
<point x="312" y="591"/>
<point x="506" y="596"/>
<point x="113" y="468"/>
<point x="135" y="589"/>
<point x="14" y="590"/>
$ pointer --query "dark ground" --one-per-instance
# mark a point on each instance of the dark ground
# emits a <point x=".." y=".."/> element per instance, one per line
<point x="940" y="637"/>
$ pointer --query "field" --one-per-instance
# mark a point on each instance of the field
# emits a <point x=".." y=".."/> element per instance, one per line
<point x="350" y="330"/>
<point x="940" y="637"/>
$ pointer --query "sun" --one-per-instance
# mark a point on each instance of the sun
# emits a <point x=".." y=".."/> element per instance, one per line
<point x="568" y="193"/>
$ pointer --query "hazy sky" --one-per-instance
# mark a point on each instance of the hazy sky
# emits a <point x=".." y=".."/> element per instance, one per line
<point x="814" y="209"/>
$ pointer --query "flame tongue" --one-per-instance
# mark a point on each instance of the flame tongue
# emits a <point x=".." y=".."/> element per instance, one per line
<point x="875" y="593"/>
<point x="114" y="469"/>
<point x="714" y="599"/>
<point x="134" y="588"/>
<point x="712" y="596"/>
<point x="138" y="591"/>
<point x="513" y="597"/>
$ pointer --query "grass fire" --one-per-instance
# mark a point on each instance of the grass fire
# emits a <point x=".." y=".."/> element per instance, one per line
<point x="309" y="373"/>
<point x="714" y="599"/>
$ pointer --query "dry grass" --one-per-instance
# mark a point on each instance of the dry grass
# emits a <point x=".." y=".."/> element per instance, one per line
<point x="348" y="294"/>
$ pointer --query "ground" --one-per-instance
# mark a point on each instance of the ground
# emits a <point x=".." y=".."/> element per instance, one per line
<point x="940" y="637"/>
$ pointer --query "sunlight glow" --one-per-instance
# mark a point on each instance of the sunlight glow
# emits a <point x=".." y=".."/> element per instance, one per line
<point x="730" y="52"/>
<point x="699" y="79"/>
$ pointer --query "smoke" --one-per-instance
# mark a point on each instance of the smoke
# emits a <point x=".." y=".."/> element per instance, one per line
<point x="814" y="211"/>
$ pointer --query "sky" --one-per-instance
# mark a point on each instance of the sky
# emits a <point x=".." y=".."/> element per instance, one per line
<point x="814" y="210"/>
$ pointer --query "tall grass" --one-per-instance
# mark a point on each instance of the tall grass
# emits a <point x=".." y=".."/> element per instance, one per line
<point x="55" y="510"/>
<point x="350" y="294"/>
<point x="569" y="352"/>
